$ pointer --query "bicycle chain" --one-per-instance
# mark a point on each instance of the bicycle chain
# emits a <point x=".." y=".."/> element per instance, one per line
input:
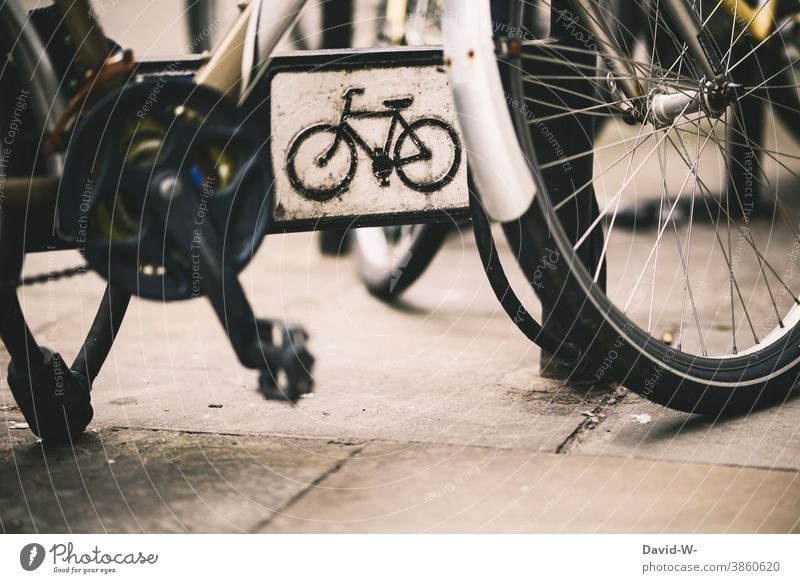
<point x="66" y="273"/>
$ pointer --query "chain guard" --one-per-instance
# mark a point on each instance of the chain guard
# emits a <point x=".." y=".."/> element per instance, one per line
<point x="136" y="134"/>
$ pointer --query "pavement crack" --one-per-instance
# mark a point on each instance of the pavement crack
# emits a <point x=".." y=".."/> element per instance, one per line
<point x="302" y="493"/>
<point x="593" y="419"/>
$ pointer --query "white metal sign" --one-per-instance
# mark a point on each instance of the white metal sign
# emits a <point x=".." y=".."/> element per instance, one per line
<point x="365" y="141"/>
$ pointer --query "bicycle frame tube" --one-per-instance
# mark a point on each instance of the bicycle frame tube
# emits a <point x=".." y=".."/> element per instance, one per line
<point x="616" y="60"/>
<point x="701" y="45"/>
<point x="760" y="21"/>
<point x="270" y="21"/>
<point x="248" y="45"/>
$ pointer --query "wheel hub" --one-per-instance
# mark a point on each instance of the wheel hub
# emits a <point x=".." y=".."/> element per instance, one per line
<point x="712" y="99"/>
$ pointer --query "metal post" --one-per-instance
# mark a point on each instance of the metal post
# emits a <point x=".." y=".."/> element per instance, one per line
<point x="554" y="140"/>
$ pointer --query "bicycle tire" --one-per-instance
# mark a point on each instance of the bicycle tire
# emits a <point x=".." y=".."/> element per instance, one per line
<point x="620" y="347"/>
<point x="320" y="194"/>
<point x="388" y="271"/>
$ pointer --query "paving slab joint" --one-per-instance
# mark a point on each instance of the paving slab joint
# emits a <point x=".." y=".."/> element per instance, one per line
<point x="262" y="525"/>
<point x="593" y="419"/>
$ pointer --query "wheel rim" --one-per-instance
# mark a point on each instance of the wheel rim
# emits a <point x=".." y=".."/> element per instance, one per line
<point x="381" y="250"/>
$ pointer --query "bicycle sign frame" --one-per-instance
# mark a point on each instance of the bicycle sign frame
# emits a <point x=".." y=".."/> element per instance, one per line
<point x="297" y="92"/>
<point x="366" y="195"/>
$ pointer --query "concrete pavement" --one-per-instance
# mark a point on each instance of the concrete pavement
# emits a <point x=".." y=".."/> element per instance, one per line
<point x="427" y="417"/>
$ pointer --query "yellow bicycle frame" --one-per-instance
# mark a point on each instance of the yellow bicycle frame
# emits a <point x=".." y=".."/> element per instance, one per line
<point x="760" y="21"/>
<point x="396" y="16"/>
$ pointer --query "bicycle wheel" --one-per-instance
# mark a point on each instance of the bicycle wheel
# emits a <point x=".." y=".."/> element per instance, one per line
<point x="325" y="173"/>
<point x="427" y="173"/>
<point x="701" y="313"/>
<point x="390" y="259"/>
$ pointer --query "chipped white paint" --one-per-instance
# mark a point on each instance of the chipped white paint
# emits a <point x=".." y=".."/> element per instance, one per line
<point x="642" y="418"/>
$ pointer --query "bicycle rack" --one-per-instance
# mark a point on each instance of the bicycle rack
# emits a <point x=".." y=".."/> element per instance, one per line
<point x="267" y="345"/>
<point x="410" y="77"/>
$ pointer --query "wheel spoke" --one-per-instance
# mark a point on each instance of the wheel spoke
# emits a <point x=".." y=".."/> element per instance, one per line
<point x="682" y="162"/>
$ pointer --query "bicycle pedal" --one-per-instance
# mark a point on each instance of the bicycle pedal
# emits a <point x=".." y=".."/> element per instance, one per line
<point x="287" y="375"/>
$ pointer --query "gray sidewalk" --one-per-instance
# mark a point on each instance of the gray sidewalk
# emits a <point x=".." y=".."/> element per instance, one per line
<point x="427" y="417"/>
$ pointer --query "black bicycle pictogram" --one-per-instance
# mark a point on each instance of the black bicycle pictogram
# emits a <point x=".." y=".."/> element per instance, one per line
<point x="342" y="140"/>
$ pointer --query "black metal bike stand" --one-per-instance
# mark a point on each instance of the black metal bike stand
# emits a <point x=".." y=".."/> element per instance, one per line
<point x="337" y="33"/>
<point x="54" y="398"/>
<point x="50" y="393"/>
<point x="745" y="136"/>
<point x="555" y="139"/>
